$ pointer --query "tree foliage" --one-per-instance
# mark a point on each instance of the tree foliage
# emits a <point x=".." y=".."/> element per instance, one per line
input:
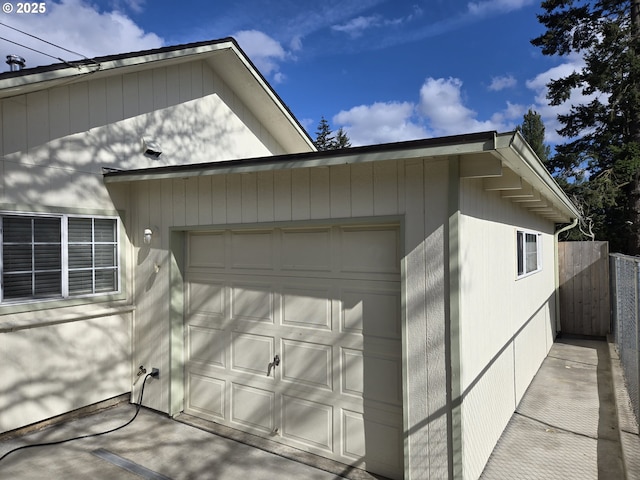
<point x="326" y="140"/>
<point x="533" y="131"/>
<point x="600" y="162"/>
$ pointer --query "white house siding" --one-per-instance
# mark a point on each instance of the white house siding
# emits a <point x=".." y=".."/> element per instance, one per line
<point x="49" y="370"/>
<point x="507" y="325"/>
<point x="415" y="191"/>
<point x="53" y="144"/>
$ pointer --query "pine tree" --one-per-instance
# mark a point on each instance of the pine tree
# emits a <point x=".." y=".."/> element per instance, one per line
<point x="325" y="140"/>
<point x="341" y="140"/>
<point x="600" y="161"/>
<point x="324" y="136"/>
<point x="533" y="130"/>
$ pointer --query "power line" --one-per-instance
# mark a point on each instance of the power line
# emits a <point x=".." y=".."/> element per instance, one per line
<point x="48" y="43"/>
<point x="32" y="49"/>
<point x="43" y="40"/>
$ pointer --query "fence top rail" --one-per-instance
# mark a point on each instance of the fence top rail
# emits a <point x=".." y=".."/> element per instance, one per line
<point x="625" y="257"/>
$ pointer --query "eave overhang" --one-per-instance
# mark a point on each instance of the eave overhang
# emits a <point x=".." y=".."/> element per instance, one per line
<point x="505" y="161"/>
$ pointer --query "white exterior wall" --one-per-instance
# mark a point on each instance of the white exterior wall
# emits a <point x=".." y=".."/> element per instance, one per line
<point x="414" y="190"/>
<point x="507" y="325"/>
<point x="53" y="144"/>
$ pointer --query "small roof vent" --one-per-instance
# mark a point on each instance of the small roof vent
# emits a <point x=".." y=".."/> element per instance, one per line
<point x="15" y="62"/>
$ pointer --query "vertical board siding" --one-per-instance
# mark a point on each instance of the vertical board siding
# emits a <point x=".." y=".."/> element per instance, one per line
<point x="584" y="288"/>
<point x="336" y="192"/>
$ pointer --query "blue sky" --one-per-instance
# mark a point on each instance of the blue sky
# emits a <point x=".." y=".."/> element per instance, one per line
<point x="384" y="70"/>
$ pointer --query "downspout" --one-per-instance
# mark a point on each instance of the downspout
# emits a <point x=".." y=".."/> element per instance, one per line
<point x="573" y="224"/>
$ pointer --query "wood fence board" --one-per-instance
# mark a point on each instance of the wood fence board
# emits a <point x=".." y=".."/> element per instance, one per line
<point x="584" y="288"/>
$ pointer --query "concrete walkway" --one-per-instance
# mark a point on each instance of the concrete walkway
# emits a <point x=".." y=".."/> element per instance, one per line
<point x="574" y="422"/>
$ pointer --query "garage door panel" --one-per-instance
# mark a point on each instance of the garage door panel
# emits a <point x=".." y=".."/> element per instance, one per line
<point x="370" y="250"/>
<point x="308" y="249"/>
<point x="326" y="300"/>
<point x="206" y="298"/>
<point x="206" y="395"/>
<point x="352" y="372"/>
<point x="307" y="422"/>
<point x="251" y="353"/>
<point x="206" y="345"/>
<point x="390" y="369"/>
<point x="383" y="447"/>
<point x="206" y="250"/>
<point x="252" y="250"/>
<point x="371" y="313"/>
<point x="307" y="363"/>
<point x="307" y="307"/>
<point x="252" y="302"/>
<point x="253" y="407"/>
<point x="353" y="441"/>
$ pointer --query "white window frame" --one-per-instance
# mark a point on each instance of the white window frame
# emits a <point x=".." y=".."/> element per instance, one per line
<point x="64" y="238"/>
<point x="522" y="269"/>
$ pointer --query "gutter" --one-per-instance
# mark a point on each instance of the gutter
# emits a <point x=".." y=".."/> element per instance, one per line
<point x="573" y="224"/>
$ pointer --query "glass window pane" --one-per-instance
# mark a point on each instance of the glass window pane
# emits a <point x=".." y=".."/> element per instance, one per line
<point x="105" y="255"/>
<point x="105" y="230"/>
<point x="80" y="256"/>
<point x="47" y="257"/>
<point x="80" y="229"/>
<point x="48" y="284"/>
<point x="46" y="230"/>
<point x="16" y="230"/>
<point x="16" y="258"/>
<point x="106" y="280"/>
<point x="81" y="282"/>
<point x="16" y="286"/>
<point x="520" y="249"/>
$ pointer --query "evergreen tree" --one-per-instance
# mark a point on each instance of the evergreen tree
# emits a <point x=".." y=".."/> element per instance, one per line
<point x="325" y="140"/>
<point x="532" y="130"/>
<point x="324" y="136"/>
<point x="342" y="140"/>
<point x="600" y="162"/>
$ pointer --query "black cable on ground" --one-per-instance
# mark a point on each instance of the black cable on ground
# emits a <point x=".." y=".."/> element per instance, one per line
<point x="45" y="444"/>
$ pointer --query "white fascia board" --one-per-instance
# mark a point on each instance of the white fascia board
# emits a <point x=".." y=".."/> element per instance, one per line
<point x="518" y="155"/>
<point x="277" y="102"/>
<point x="40" y="80"/>
<point x="376" y="153"/>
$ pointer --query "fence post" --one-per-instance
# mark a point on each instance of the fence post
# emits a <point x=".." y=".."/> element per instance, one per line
<point x="636" y="277"/>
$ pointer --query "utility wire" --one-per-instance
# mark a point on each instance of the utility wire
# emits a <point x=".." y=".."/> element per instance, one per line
<point x="34" y="50"/>
<point x="45" y="41"/>
<point x="48" y="43"/>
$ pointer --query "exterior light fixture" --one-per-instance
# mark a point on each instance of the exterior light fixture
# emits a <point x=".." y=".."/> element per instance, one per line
<point x="148" y="233"/>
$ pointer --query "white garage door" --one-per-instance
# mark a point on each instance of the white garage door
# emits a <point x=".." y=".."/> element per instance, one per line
<point x="294" y="334"/>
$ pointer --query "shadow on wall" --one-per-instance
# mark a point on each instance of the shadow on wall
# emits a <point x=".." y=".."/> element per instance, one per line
<point x="53" y="369"/>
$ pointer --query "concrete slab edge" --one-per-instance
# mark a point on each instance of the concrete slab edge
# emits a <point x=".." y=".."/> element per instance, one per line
<point x="66" y="417"/>
<point x="339" y="469"/>
<point x="627" y="424"/>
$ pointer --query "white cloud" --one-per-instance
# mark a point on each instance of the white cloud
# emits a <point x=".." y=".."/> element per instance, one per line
<point x="486" y="7"/>
<point x="501" y="83"/>
<point x="77" y="26"/>
<point x="356" y="26"/>
<point x="440" y="111"/>
<point x="381" y="122"/>
<point x="442" y="106"/>
<point x="549" y="113"/>
<point x="265" y="52"/>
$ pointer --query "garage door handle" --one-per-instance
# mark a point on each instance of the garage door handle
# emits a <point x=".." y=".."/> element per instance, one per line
<point x="274" y="364"/>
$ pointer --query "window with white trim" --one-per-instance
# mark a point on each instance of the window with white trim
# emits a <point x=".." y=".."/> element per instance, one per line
<point x="529" y="252"/>
<point x="45" y="256"/>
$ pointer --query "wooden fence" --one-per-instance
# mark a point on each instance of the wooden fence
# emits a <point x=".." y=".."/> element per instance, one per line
<point x="584" y="288"/>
